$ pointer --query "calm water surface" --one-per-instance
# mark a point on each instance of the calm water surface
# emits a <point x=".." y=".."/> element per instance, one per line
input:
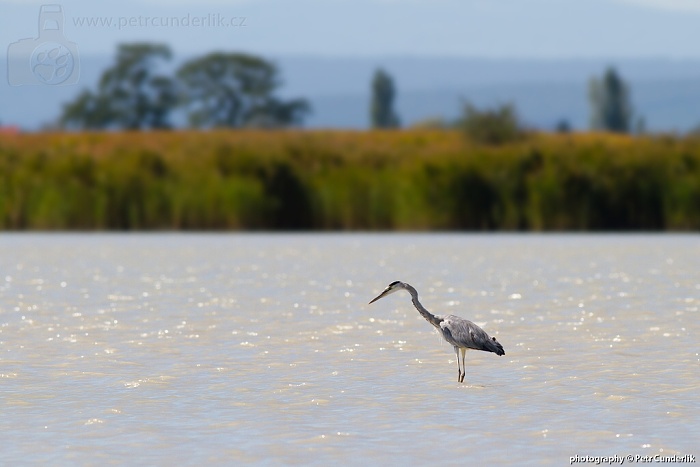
<point x="181" y="349"/>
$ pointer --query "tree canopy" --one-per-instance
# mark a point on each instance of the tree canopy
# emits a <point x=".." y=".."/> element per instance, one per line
<point x="217" y="90"/>
<point x="234" y="90"/>
<point x="491" y="126"/>
<point x="130" y="95"/>
<point x="382" y="112"/>
<point x="611" y="109"/>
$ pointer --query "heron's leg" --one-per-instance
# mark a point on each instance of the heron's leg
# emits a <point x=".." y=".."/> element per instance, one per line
<point x="459" y="369"/>
<point x="464" y="367"/>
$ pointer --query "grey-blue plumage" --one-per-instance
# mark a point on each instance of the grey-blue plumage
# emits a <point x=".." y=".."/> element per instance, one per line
<point x="461" y="333"/>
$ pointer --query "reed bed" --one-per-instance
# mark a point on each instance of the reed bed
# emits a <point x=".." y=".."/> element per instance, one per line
<point x="417" y="179"/>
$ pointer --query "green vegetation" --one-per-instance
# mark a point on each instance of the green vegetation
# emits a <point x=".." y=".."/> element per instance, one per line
<point x="491" y="126"/>
<point x="611" y="109"/>
<point x="235" y="90"/>
<point x="382" y="114"/>
<point x="217" y="90"/>
<point x="410" y="180"/>
<point x="129" y="95"/>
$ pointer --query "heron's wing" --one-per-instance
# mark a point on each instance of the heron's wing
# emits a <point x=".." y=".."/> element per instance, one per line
<point x="463" y="333"/>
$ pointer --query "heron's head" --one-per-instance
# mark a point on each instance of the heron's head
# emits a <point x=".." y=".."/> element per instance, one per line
<point x="390" y="289"/>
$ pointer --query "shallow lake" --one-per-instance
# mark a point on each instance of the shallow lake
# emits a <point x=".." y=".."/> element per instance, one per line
<point x="157" y="349"/>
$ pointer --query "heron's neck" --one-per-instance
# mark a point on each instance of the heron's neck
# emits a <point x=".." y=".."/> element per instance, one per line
<point x="421" y="309"/>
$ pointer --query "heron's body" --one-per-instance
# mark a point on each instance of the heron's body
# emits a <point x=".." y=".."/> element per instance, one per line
<point x="461" y="333"/>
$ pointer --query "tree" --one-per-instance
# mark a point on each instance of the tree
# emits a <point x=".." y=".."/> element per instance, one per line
<point x="491" y="126"/>
<point x="88" y="110"/>
<point x="563" y="126"/>
<point x="234" y="90"/>
<point x="129" y="95"/>
<point x="610" y="103"/>
<point x="382" y="107"/>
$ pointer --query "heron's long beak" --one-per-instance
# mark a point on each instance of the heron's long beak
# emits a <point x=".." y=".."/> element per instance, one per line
<point x="379" y="296"/>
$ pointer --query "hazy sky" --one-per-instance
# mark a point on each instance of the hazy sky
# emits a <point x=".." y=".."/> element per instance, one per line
<point x="457" y="28"/>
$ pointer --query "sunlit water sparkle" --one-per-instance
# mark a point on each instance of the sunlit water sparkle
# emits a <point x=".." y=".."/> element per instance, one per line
<point x="182" y="349"/>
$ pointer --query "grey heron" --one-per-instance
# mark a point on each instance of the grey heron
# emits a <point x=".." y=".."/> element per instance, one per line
<point x="460" y="332"/>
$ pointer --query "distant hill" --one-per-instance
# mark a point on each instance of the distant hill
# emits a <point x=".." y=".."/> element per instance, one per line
<point x="665" y="92"/>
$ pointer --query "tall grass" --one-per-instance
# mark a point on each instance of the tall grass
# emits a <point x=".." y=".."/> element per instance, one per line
<point x="328" y="180"/>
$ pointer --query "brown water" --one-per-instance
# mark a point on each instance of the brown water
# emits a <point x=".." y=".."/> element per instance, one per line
<point x="181" y="349"/>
